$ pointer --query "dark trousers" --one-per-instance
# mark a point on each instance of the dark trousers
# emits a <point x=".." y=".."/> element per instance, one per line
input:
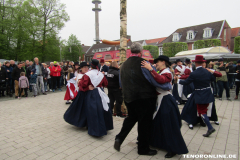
<point x="221" y="86"/>
<point x="115" y="95"/>
<point x="140" y="111"/>
<point x="56" y="82"/>
<point x="50" y="83"/>
<point x="230" y="80"/>
<point x="21" y="90"/>
<point x="237" y="87"/>
<point x="9" y="86"/>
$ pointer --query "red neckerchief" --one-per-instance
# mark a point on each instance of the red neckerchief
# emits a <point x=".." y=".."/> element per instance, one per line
<point x="180" y="66"/>
<point x="135" y="55"/>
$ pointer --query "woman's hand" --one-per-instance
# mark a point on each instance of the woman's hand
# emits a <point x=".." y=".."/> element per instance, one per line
<point x="209" y="70"/>
<point x="90" y="87"/>
<point x="146" y="65"/>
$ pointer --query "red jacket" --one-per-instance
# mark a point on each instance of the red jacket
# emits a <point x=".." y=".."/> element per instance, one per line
<point x="56" y="71"/>
<point x="51" y="72"/>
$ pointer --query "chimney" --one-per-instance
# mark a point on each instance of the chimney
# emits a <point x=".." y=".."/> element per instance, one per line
<point x="82" y="44"/>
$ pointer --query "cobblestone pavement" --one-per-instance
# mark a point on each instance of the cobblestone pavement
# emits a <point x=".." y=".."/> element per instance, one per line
<point x="33" y="128"/>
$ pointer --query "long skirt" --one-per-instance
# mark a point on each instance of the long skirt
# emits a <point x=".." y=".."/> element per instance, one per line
<point x="166" y="131"/>
<point x="190" y="114"/>
<point x="187" y="89"/>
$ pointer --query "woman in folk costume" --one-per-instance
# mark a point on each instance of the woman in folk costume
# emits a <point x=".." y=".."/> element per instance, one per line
<point x="75" y="114"/>
<point x="190" y="109"/>
<point x="166" y="130"/>
<point x="180" y="92"/>
<point x="72" y="90"/>
<point x="92" y="105"/>
<point x="202" y="99"/>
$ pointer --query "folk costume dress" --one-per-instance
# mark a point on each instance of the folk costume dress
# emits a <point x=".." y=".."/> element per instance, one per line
<point x="189" y="112"/>
<point x="202" y="95"/>
<point x="180" y="92"/>
<point x="72" y="89"/>
<point x="166" y="130"/>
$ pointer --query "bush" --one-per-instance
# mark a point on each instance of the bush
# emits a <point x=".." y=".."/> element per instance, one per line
<point x="153" y="50"/>
<point x="206" y="43"/>
<point x="237" y="44"/>
<point x="171" y="49"/>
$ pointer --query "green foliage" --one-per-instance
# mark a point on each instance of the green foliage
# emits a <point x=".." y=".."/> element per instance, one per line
<point x="171" y="49"/>
<point x="153" y="50"/>
<point x="206" y="43"/>
<point x="29" y="28"/>
<point x="237" y="44"/>
<point x="73" y="49"/>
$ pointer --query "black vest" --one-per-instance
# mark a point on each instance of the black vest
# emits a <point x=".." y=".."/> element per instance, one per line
<point x="134" y="85"/>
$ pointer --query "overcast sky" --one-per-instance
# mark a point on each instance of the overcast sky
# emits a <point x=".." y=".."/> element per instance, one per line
<point x="147" y="19"/>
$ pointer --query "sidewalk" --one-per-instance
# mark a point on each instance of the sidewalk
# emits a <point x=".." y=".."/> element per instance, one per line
<point x="34" y="128"/>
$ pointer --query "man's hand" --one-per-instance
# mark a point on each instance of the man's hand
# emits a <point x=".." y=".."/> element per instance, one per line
<point x="90" y="87"/>
<point x="103" y="72"/>
<point x="221" y="65"/>
<point x="227" y="64"/>
<point x="146" y="65"/>
<point x="178" y="73"/>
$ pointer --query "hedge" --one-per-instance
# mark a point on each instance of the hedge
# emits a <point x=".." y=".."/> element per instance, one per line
<point x="206" y="43"/>
<point x="171" y="49"/>
<point x="237" y="44"/>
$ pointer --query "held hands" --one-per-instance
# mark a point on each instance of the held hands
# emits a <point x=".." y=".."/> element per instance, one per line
<point x="146" y="65"/>
<point x="209" y="70"/>
<point x="227" y="64"/>
<point x="178" y="73"/>
<point x="221" y="65"/>
<point x="175" y="77"/>
<point x="90" y="87"/>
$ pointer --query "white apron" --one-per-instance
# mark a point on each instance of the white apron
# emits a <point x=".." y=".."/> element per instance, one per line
<point x="73" y="81"/>
<point x="180" y="87"/>
<point x="96" y="77"/>
<point x="162" y="93"/>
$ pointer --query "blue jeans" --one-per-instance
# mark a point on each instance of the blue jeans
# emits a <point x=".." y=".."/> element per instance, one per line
<point x="61" y="81"/>
<point x="221" y="85"/>
<point x="50" y="83"/>
<point x="45" y="85"/>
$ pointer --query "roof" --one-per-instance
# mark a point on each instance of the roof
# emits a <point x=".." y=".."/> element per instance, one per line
<point x="155" y="41"/>
<point x="85" y="48"/>
<point x="140" y="41"/>
<point x="235" y="32"/>
<point x="198" y="29"/>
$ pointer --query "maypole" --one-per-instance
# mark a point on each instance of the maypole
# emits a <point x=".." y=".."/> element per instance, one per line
<point x="123" y="30"/>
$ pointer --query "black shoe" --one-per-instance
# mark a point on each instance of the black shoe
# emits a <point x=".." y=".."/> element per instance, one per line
<point x="117" y="144"/>
<point x="68" y="102"/>
<point x="170" y="155"/>
<point x="148" y="153"/>
<point x="216" y="122"/>
<point x="209" y="132"/>
<point x="190" y="126"/>
<point x="44" y="93"/>
<point x="16" y="96"/>
<point x="203" y="124"/>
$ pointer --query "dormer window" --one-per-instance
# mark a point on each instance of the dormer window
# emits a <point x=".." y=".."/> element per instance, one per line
<point x="190" y="35"/>
<point x="207" y="33"/>
<point x="176" y="37"/>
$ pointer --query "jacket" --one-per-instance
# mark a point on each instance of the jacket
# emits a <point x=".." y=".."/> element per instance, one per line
<point x="9" y="71"/>
<point x="23" y="82"/>
<point x="224" y="70"/>
<point x="237" y="76"/>
<point x="113" y="78"/>
<point x="33" y="78"/>
<point x="51" y="72"/>
<point x="41" y="68"/>
<point x="56" y="70"/>
<point x="3" y="75"/>
<point x="201" y="80"/>
<point x="45" y="74"/>
<point x="28" y="70"/>
<point x="16" y="73"/>
<point x="104" y="69"/>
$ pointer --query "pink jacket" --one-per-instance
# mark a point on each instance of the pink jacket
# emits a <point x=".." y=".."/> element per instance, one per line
<point x="23" y="82"/>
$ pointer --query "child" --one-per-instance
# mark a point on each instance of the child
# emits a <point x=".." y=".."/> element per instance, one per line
<point x="33" y="79"/>
<point x="23" y="84"/>
<point x="71" y="91"/>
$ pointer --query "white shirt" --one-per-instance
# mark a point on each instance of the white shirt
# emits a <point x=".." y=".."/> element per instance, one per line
<point x="198" y="67"/>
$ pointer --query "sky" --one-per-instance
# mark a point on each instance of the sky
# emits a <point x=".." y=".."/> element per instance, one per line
<point x="147" y="19"/>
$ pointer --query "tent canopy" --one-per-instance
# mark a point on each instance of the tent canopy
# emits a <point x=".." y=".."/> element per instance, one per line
<point x="212" y="53"/>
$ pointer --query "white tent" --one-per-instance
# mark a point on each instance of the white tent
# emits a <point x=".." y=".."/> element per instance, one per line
<point x="212" y="53"/>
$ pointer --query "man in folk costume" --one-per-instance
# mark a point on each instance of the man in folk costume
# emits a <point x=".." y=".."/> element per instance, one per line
<point x="202" y="95"/>
<point x="104" y="69"/>
<point x="139" y="92"/>
<point x="178" y="90"/>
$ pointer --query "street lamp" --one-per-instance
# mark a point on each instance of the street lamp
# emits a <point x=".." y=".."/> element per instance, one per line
<point x="60" y="49"/>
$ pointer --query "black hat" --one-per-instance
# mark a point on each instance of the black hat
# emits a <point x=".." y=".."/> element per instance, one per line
<point x="95" y="63"/>
<point x="76" y="63"/>
<point x="238" y="61"/>
<point x="83" y="64"/>
<point x="220" y="60"/>
<point x="188" y="61"/>
<point x="178" y="60"/>
<point x="163" y="58"/>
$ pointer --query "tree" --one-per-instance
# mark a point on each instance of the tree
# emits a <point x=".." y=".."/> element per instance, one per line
<point x="153" y="50"/>
<point x="53" y="15"/>
<point x="206" y="43"/>
<point x="171" y="49"/>
<point x="73" y="49"/>
<point x="237" y="44"/>
<point x="123" y="30"/>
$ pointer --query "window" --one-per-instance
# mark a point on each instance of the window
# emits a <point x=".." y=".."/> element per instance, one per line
<point x="190" y="35"/>
<point x="207" y="33"/>
<point x="193" y="46"/>
<point x="225" y="34"/>
<point x="175" y="37"/>
<point x="160" y="50"/>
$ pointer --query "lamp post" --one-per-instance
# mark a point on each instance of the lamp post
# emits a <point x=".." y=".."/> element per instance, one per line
<point x="60" y="49"/>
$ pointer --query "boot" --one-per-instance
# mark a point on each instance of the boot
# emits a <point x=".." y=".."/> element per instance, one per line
<point x="209" y="132"/>
<point x="236" y="97"/>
